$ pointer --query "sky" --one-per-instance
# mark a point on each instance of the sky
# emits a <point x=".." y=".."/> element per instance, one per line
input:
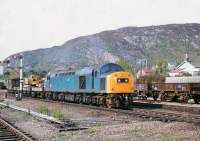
<point x="32" y="24"/>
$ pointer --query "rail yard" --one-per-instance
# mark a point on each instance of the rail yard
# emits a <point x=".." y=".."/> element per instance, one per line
<point x="90" y="100"/>
<point x="141" y="122"/>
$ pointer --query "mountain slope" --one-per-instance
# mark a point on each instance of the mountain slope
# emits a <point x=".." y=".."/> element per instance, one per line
<point x="169" y="42"/>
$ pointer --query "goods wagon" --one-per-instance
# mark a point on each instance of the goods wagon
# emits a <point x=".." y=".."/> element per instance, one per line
<point x="178" y="88"/>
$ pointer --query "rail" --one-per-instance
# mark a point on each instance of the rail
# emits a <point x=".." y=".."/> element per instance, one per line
<point x="9" y="132"/>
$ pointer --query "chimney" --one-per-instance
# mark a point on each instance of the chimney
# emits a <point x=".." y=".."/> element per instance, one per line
<point x="187" y="58"/>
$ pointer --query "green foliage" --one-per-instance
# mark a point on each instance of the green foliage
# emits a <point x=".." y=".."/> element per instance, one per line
<point x="126" y="66"/>
<point x="55" y="113"/>
<point x="92" y="131"/>
<point x="39" y="74"/>
<point x="162" y="68"/>
<point x="43" y="110"/>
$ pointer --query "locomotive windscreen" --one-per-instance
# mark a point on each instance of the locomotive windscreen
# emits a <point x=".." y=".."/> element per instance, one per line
<point x="108" y="68"/>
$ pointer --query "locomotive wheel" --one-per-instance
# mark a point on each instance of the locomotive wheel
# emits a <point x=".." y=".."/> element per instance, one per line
<point x="117" y="102"/>
<point x="55" y="96"/>
<point x="104" y="101"/>
<point x="43" y="95"/>
<point x="61" y="97"/>
<point x="108" y="102"/>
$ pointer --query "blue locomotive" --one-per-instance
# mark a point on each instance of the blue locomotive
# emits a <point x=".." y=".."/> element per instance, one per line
<point x="109" y="85"/>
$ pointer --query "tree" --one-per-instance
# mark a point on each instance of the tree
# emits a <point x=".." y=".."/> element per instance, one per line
<point x="126" y="66"/>
<point x="162" y="67"/>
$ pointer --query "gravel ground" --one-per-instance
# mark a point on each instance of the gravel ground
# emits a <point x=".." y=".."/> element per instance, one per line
<point x="102" y="125"/>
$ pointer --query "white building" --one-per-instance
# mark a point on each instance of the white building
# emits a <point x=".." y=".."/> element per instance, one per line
<point x="191" y="68"/>
<point x="1" y="70"/>
<point x="186" y="68"/>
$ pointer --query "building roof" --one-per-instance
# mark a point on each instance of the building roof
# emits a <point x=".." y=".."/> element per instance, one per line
<point x="197" y="65"/>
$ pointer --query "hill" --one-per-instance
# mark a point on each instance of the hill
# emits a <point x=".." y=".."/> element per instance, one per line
<point x="169" y="42"/>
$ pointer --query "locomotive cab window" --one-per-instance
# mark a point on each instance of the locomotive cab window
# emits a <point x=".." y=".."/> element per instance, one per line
<point x="82" y="82"/>
<point x="109" y="68"/>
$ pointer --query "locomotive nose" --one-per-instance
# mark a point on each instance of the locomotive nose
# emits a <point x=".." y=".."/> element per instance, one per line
<point x="120" y="82"/>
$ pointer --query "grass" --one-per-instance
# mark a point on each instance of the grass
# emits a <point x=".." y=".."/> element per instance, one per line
<point x="91" y="131"/>
<point x="57" y="114"/>
<point x="43" y="110"/>
<point x="54" y="113"/>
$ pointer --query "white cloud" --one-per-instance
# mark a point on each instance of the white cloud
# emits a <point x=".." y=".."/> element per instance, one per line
<point x="31" y="24"/>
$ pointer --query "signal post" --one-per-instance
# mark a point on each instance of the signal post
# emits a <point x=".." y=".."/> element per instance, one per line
<point x="19" y="58"/>
<point x="19" y="95"/>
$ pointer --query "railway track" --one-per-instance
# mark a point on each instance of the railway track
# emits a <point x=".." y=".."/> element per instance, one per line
<point x="10" y="133"/>
<point x="146" y="114"/>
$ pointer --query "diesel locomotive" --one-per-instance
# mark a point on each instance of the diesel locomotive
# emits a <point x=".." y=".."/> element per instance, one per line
<point x="108" y="85"/>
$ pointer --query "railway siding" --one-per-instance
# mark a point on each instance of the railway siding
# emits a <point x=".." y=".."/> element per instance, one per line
<point x="113" y="124"/>
<point x="8" y="132"/>
<point x="190" y="108"/>
<point x="147" y="114"/>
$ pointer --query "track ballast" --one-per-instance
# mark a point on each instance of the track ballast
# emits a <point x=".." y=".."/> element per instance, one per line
<point x="10" y="133"/>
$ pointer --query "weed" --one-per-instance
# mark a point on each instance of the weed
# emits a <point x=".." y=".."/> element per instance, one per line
<point x="91" y="131"/>
<point x="43" y="110"/>
<point x="57" y="114"/>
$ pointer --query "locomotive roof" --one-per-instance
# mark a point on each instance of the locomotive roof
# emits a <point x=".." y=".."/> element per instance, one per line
<point x="103" y="69"/>
<point x="85" y="70"/>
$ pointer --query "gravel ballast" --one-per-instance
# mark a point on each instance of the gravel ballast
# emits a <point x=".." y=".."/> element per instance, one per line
<point x="101" y="125"/>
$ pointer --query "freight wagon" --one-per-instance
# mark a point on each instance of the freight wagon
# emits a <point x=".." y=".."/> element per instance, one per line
<point x="175" y="89"/>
